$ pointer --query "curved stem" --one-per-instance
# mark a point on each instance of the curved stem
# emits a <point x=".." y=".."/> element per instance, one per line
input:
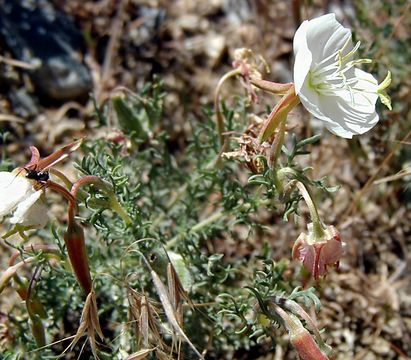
<point x="271" y="87"/>
<point x="278" y="114"/>
<point x="318" y="229"/>
<point x="107" y="189"/>
<point x="61" y="176"/>
<point x="12" y="270"/>
<point x="219" y="116"/>
<point x="63" y="191"/>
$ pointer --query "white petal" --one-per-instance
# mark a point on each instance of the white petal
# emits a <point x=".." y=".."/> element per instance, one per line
<point x="31" y="212"/>
<point x="348" y="105"/>
<point x="300" y="36"/>
<point x="347" y="119"/>
<point x="344" y="115"/>
<point x="311" y="101"/>
<point x="338" y="130"/>
<point x="303" y="57"/>
<point x="368" y="86"/>
<point x="325" y="36"/>
<point x="331" y="125"/>
<point x="13" y="189"/>
<point x="338" y="41"/>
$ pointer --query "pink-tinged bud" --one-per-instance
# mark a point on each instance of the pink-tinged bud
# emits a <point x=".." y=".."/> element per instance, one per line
<point x="76" y="248"/>
<point x="305" y="346"/>
<point x="300" y="337"/>
<point x="318" y="254"/>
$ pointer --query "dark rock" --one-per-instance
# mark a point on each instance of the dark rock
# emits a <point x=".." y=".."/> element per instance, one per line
<point x="37" y="33"/>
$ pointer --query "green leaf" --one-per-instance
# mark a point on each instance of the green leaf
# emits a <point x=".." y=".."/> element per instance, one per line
<point x="127" y="119"/>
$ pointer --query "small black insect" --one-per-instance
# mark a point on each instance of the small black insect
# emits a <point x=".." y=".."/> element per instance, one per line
<point x="41" y="176"/>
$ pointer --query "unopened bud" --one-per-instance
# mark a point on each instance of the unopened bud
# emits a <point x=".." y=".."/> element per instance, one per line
<point x="300" y="337"/>
<point x="76" y="247"/>
<point x="305" y="345"/>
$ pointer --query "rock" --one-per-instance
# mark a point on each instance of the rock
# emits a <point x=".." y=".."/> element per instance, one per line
<point x="38" y="34"/>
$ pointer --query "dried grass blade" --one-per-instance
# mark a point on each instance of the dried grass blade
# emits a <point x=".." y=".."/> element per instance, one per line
<point x="144" y="320"/>
<point x="169" y="310"/>
<point x="94" y="315"/>
<point x="89" y="324"/>
<point x="175" y="283"/>
<point x="141" y="354"/>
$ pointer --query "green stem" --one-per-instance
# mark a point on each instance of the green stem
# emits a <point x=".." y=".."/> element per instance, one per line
<point x="180" y="193"/>
<point x="118" y="208"/>
<point x="318" y="229"/>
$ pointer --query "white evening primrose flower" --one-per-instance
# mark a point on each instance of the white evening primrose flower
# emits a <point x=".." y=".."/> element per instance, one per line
<point x="327" y="81"/>
<point x="18" y="193"/>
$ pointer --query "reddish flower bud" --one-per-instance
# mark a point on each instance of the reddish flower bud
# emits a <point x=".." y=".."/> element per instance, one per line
<point x="300" y="337"/>
<point x="76" y="248"/>
<point x="318" y="254"/>
<point x="305" y="346"/>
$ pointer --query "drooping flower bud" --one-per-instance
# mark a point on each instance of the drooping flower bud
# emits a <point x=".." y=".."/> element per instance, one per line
<point x="76" y="248"/>
<point x="318" y="253"/>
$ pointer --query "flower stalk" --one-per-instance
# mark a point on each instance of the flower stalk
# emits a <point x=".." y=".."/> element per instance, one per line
<point x="278" y="114"/>
<point x="271" y="87"/>
<point x="318" y="230"/>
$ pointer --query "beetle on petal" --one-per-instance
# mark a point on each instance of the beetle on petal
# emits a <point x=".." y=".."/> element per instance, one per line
<point x="18" y="193"/>
<point x="22" y="190"/>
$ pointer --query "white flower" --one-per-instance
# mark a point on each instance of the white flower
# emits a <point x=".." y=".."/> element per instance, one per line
<point x="17" y="192"/>
<point x="327" y="82"/>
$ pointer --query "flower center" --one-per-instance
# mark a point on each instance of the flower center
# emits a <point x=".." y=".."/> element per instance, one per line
<point x="329" y="77"/>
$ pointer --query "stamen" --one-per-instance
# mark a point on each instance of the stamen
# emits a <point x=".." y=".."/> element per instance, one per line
<point x="328" y="58"/>
<point x="330" y="79"/>
<point x="352" y="52"/>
